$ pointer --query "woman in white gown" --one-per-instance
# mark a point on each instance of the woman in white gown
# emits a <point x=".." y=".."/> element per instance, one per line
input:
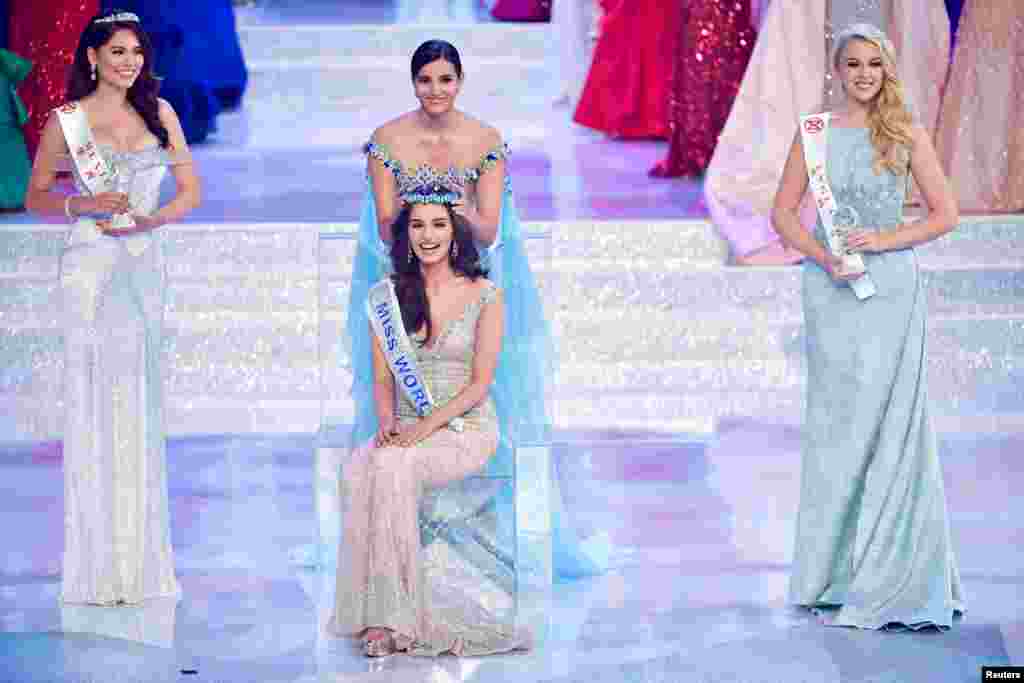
<point x="576" y="23"/>
<point x="120" y="137"/>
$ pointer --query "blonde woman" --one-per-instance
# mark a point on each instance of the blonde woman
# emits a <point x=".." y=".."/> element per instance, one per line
<point x="872" y="544"/>
<point x="788" y="76"/>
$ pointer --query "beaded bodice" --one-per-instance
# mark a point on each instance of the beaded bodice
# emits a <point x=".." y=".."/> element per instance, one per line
<point x="435" y="184"/>
<point x="140" y="172"/>
<point x="447" y="361"/>
<point x="876" y="199"/>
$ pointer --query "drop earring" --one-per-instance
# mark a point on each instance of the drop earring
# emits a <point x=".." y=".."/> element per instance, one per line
<point x="410" y="253"/>
<point x="455" y="250"/>
<point x="94" y="72"/>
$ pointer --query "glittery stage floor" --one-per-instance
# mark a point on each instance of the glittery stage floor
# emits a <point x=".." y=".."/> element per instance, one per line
<point x="699" y="598"/>
<point x="690" y="459"/>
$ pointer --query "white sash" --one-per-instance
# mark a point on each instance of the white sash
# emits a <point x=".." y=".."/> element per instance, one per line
<point x="386" y="318"/>
<point x="96" y="173"/>
<point x="837" y="220"/>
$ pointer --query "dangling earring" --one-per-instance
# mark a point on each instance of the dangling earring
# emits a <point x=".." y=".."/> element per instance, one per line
<point x="455" y="250"/>
<point x="94" y="72"/>
<point x="410" y="252"/>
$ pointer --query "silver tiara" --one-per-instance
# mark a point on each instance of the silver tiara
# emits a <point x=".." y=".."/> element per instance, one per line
<point x="861" y="30"/>
<point x="120" y="16"/>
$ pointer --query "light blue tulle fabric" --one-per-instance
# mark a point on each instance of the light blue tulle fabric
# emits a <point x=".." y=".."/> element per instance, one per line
<point x="525" y="369"/>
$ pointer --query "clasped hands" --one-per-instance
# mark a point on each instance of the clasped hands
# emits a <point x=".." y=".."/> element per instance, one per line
<point x="113" y="203"/>
<point x="390" y="434"/>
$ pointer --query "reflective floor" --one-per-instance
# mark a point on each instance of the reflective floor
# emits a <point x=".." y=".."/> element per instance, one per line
<point x="703" y="527"/>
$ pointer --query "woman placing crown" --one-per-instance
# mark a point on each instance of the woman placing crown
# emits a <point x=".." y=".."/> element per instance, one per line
<point x="121" y="140"/>
<point x="873" y="547"/>
<point x="438" y="324"/>
<point x="446" y="153"/>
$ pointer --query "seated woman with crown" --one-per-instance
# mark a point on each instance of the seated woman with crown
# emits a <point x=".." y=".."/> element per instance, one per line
<point x="438" y="151"/>
<point x="437" y="325"/>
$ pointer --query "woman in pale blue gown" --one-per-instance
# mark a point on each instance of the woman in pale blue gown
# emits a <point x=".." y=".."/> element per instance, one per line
<point x="117" y="546"/>
<point x="438" y="144"/>
<point x="873" y="547"/>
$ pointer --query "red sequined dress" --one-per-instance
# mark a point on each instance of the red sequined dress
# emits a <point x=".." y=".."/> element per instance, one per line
<point x="626" y="92"/>
<point x="46" y="34"/>
<point x="715" y="43"/>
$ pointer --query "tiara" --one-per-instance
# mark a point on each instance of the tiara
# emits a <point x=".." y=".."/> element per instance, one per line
<point x="120" y="16"/>
<point x="429" y="194"/>
<point x="427" y="186"/>
<point x="862" y="30"/>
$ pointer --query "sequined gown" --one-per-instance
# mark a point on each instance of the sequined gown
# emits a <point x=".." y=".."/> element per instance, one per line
<point x="786" y="78"/>
<point x="712" y="52"/>
<point x="46" y="34"/>
<point x="981" y="130"/>
<point x="525" y="366"/>
<point x="626" y="91"/>
<point x="116" y="535"/>
<point x="872" y="529"/>
<point x="433" y="599"/>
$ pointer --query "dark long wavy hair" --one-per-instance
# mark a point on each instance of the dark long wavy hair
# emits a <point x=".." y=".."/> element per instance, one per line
<point x="433" y="50"/>
<point x="143" y="93"/>
<point x="409" y="285"/>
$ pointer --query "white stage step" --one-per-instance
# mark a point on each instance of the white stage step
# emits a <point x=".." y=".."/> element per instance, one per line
<point x="298" y="43"/>
<point x="650" y="325"/>
<point x="313" y="77"/>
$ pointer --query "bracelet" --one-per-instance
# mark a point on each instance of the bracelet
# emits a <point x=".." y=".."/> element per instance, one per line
<point x="67" y="208"/>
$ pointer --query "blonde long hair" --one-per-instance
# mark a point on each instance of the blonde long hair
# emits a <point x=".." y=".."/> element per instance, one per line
<point x="889" y="118"/>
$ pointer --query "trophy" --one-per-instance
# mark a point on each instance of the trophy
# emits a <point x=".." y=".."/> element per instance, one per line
<point x="122" y="181"/>
<point x="844" y="220"/>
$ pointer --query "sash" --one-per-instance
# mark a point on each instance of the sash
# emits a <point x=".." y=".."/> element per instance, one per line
<point x="386" y="318"/>
<point x="837" y="220"/>
<point x="96" y="173"/>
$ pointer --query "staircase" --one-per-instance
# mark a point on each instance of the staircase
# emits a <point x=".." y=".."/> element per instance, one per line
<point x="654" y="332"/>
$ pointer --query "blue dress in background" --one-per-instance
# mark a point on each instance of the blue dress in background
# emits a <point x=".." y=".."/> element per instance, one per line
<point x="5" y="16"/>
<point x="873" y="536"/>
<point x="198" y="55"/>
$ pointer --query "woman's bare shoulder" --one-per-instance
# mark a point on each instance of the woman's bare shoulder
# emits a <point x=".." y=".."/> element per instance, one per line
<point x="395" y="129"/>
<point x="480" y="132"/>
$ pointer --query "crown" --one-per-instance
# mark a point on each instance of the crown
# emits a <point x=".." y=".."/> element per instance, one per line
<point x="862" y="30"/>
<point x="120" y="16"/>
<point x="427" y="186"/>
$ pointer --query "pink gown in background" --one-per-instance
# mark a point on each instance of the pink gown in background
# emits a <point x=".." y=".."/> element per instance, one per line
<point x="787" y="78"/>
<point x="980" y="140"/>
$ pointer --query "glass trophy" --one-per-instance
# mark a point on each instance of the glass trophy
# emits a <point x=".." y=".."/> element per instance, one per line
<point x="845" y="219"/>
<point x="123" y="180"/>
